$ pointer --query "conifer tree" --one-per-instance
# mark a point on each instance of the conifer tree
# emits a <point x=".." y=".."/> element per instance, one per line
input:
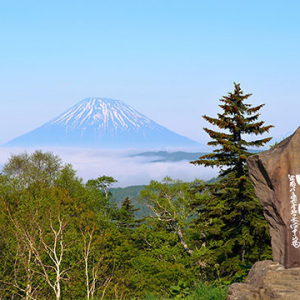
<point x="231" y="218"/>
<point x="126" y="216"/>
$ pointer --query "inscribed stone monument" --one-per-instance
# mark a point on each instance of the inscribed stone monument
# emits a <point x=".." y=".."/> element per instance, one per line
<point x="276" y="177"/>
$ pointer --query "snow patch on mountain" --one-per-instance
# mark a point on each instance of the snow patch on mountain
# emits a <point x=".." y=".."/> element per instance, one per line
<point x="101" y="112"/>
<point x="102" y="123"/>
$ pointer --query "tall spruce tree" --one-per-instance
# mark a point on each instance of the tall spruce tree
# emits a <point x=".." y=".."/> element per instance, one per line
<point x="231" y="218"/>
<point x="126" y="215"/>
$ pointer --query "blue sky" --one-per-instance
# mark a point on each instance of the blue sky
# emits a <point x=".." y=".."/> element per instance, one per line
<point x="171" y="60"/>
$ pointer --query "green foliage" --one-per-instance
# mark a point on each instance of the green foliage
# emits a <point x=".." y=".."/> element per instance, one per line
<point x="51" y="231"/>
<point x="238" y="118"/>
<point x="170" y="201"/>
<point x="63" y="239"/>
<point x="209" y="292"/>
<point x="230" y="218"/>
<point x="133" y="192"/>
<point x="179" y="291"/>
<point x="201" y="291"/>
<point x="25" y="169"/>
<point x="274" y="145"/>
<point x="100" y="250"/>
<point x="102" y="183"/>
<point x="126" y="215"/>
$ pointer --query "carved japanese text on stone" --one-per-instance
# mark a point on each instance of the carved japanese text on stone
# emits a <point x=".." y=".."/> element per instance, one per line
<point x="295" y="208"/>
<point x="276" y="177"/>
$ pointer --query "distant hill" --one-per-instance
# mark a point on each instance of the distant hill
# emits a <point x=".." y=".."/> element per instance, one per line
<point x="102" y="123"/>
<point x="118" y="195"/>
<point x="133" y="192"/>
<point x="164" y="156"/>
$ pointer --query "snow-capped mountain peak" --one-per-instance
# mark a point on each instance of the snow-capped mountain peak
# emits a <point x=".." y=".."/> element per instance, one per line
<point x="102" y="123"/>
<point x="101" y="112"/>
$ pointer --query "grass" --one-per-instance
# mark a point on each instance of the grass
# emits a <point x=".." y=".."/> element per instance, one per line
<point x="202" y="291"/>
<point x="209" y="292"/>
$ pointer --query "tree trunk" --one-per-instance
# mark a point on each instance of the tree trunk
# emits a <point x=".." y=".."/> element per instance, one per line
<point x="182" y="241"/>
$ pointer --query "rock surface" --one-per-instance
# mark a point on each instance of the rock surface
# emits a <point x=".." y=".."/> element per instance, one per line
<point x="267" y="280"/>
<point x="276" y="177"/>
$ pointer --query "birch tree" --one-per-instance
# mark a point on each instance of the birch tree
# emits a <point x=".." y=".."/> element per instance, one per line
<point x="170" y="202"/>
<point x="38" y="213"/>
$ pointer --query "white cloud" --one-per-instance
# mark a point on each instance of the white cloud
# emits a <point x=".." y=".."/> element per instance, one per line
<point x="119" y="164"/>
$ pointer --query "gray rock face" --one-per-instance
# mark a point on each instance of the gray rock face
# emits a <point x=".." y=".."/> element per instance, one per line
<point x="267" y="280"/>
<point x="276" y="177"/>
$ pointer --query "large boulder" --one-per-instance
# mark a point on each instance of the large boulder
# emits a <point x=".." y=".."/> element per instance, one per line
<point x="276" y="177"/>
<point x="267" y="280"/>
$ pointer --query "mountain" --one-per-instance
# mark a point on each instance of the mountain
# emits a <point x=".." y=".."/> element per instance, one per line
<point x="101" y="123"/>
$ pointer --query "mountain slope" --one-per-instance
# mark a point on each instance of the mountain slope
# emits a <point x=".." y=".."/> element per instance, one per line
<point x="101" y="123"/>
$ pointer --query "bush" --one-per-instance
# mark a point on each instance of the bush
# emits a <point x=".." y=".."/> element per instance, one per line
<point x="201" y="291"/>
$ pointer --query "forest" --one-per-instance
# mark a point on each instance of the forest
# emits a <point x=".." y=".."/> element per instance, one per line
<point x="62" y="238"/>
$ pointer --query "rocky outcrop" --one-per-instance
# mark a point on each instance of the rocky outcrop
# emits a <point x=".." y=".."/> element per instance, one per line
<point x="268" y="280"/>
<point x="276" y="177"/>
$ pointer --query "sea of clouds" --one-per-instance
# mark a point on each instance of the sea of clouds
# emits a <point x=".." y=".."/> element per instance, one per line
<point x="120" y="164"/>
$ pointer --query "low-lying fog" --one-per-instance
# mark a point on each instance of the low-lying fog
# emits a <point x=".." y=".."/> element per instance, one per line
<point x="120" y="164"/>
